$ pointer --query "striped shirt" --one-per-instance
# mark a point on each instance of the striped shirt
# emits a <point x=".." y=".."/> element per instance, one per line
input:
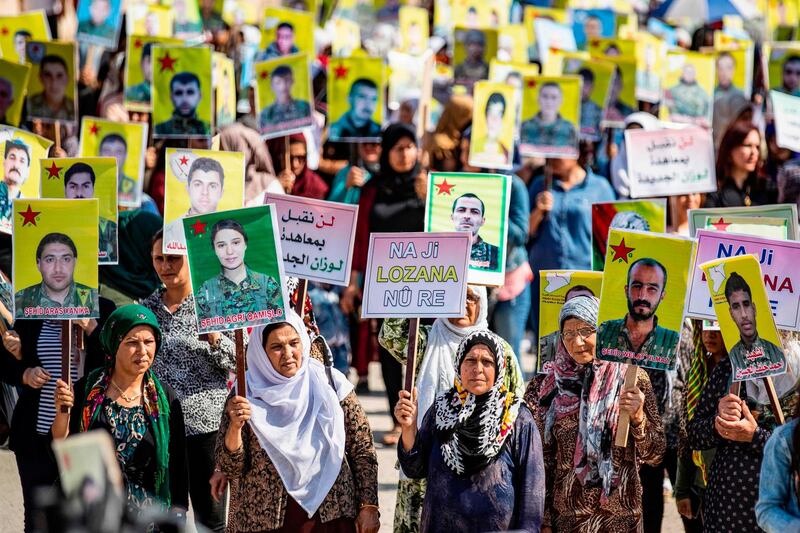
<point x="49" y="352"/>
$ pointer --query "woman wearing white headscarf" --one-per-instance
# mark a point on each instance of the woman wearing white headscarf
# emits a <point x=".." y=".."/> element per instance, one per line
<point x="619" y="165"/>
<point x="435" y="374"/>
<point x="298" y="449"/>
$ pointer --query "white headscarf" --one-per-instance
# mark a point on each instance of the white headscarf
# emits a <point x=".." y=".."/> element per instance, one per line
<point x="298" y="420"/>
<point x="619" y="165"/>
<point x="436" y="372"/>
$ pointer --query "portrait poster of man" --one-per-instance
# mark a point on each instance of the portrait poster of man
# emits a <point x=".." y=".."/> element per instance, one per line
<point x="55" y="264"/>
<point x="591" y="24"/>
<point x="22" y="152"/>
<point x="494" y="121"/>
<point x="413" y="30"/>
<point x="641" y="302"/>
<point x="13" y="89"/>
<point x="745" y="317"/>
<point x="151" y="20"/>
<point x="622" y="95"/>
<point x="52" y="93"/>
<point x="407" y="75"/>
<point x="550" y="116"/>
<point x="99" y="22"/>
<point x="477" y="203"/>
<point x="199" y="182"/>
<point x="16" y="30"/>
<point x="479" y="13"/>
<point x="783" y="67"/>
<point x="651" y="55"/>
<point x="689" y="82"/>
<point x="239" y="12"/>
<point x="283" y="95"/>
<point x="236" y="268"/>
<point x="557" y="287"/>
<point x="734" y="70"/>
<point x="286" y="32"/>
<point x="356" y="89"/>
<point x="76" y="178"/>
<point x="183" y="103"/>
<point x="124" y="141"/>
<point x="345" y="38"/>
<point x="512" y="44"/>
<point x="640" y="215"/>
<point x="473" y="50"/>
<point x="225" y="90"/>
<point x="186" y="22"/>
<point x="596" y="79"/>
<point x="139" y="71"/>
<point x="513" y="74"/>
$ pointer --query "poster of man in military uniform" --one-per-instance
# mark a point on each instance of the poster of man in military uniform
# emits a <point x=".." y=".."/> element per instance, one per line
<point x="551" y="117"/>
<point x="236" y="268"/>
<point x="13" y="88"/>
<point x="139" y="70"/>
<point x="51" y="88"/>
<point x="55" y="266"/>
<point x="356" y="99"/>
<point x="283" y="95"/>
<point x="99" y="22"/>
<point x="690" y="80"/>
<point x="182" y="92"/>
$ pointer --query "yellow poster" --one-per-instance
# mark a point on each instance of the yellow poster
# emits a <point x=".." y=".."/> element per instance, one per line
<point x="642" y="300"/>
<point x="783" y="67"/>
<point x="733" y="70"/>
<point x="285" y="32"/>
<point x="689" y="82"/>
<point x="413" y="30"/>
<point x="531" y="13"/>
<point x="199" y="182"/>
<point x="22" y="153"/>
<point x="473" y="50"/>
<point x="55" y="264"/>
<point x="651" y="56"/>
<point x="51" y="88"/>
<point x="139" y="70"/>
<point x="182" y="92"/>
<point x="225" y="90"/>
<point x="124" y="141"/>
<point x="186" y="18"/>
<point x="622" y="94"/>
<point x="493" y="125"/>
<point x="150" y="20"/>
<point x="556" y="287"/>
<point x="283" y="95"/>
<point x="512" y="43"/>
<point x="75" y="178"/>
<point x="745" y="317"/>
<point x="239" y="12"/>
<point x="612" y="47"/>
<point x="15" y="30"/>
<point x="356" y="89"/>
<point x="346" y="39"/>
<point x="480" y="13"/>
<point x="596" y="77"/>
<point x="13" y="88"/>
<point x="550" y="116"/>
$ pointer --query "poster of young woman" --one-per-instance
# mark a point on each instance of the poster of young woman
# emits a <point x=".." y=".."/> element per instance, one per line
<point x="493" y="125"/>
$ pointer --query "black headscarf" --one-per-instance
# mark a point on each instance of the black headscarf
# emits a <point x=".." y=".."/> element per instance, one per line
<point x="134" y="275"/>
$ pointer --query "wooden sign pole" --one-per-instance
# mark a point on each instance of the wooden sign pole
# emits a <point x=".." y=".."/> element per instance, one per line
<point x="287" y="157"/>
<point x="774" y="401"/>
<point x="241" y="387"/>
<point x="411" y="356"/>
<point x="302" y="292"/>
<point x="623" y="425"/>
<point x="66" y="355"/>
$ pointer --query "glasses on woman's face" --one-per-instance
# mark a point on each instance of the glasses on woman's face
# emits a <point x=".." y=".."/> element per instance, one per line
<point x="298" y="158"/>
<point x="583" y="333"/>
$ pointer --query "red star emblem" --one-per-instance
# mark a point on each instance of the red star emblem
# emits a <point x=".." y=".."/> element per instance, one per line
<point x="4" y="31"/>
<point x="167" y="62"/>
<point x="621" y="251"/>
<point x="199" y="227"/>
<point x="93" y="129"/>
<point x="138" y="43"/>
<point x="340" y="71"/>
<point x="264" y="74"/>
<point x="444" y="188"/>
<point x="35" y="48"/>
<point x="67" y="460"/>
<point x="595" y="42"/>
<point x="531" y="84"/>
<point x="29" y="216"/>
<point x="184" y="160"/>
<point x="52" y="171"/>
<point x="721" y="225"/>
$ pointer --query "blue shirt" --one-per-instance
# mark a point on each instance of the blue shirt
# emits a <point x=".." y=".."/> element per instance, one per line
<point x="564" y="238"/>
<point x="777" y="510"/>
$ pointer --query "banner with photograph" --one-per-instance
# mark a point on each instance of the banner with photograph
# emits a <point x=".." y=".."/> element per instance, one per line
<point x="493" y="125"/>
<point x="787" y="212"/>
<point x="689" y="82"/>
<point x="22" y="153"/>
<point x="224" y="90"/>
<point x="285" y="32"/>
<point x="139" y="70"/>
<point x="183" y="104"/>
<point x="416" y="275"/>
<point x="99" y="22"/>
<point x="782" y="65"/>
<point x="152" y="20"/>
<point x="15" y="30"/>
<point x="55" y="62"/>
<point x="596" y="79"/>
<point x="786" y="110"/>
<point x="13" y="89"/>
<point x="284" y="98"/>
<point x="356" y="92"/>
<point x="550" y="116"/>
<point x="622" y="95"/>
<point x="642" y="215"/>
<point x="473" y="49"/>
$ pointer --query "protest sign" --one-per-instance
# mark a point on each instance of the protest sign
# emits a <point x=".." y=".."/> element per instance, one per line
<point x="182" y="92"/>
<point x="421" y="275"/>
<point x="689" y="83"/>
<point x="355" y="99"/>
<point x="644" y="287"/>
<point x="742" y="309"/>
<point x="768" y="227"/>
<point x="651" y="53"/>
<point x="596" y="79"/>
<point x="285" y="32"/>
<point x="552" y="35"/>
<point x="478" y="204"/>
<point x="786" y="109"/>
<point x="16" y="29"/>
<point x="512" y="43"/>
<point x="139" y="70"/>
<point x="224" y="90"/>
<point x="407" y="77"/>
<point x="55" y="62"/>
<point x="55" y="264"/>
<point x="99" y="22"/>
<point x="529" y="16"/>
<point x="152" y="20"/>
<point x="316" y="237"/>
<point x="199" y="182"/>
<point x="550" y="116"/>
<point x="283" y="95"/>
<point x="778" y="260"/>
<point x="493" y="125"/>
<point x="734" y="69"/>
<point x="13" y="88"/>
<point x="124" y="141"/>
<point x="589" y="24"/>
<point x="186" y="23"/>
<point x="622" y="95"/>
<point x="346" y="37"/>
<point x="670" y="162"/>
<point x="236" y="268"/>
<point x="611" y="47"/>
<point x="782" y="63"/>
<point x="787" y="212"/>
<point x="473" y="50"/>
<point x="556" y="288"/>
<point x="642" y="215"/>
<point x="413" y="30"/>
<point x="22" y="152"/>
<point x="88" y="470"/>
<point x="87" y="177"/>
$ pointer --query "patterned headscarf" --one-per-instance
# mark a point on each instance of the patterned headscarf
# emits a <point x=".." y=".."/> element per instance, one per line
<point x="156" y="406"/>
<point x="473" y="428"/>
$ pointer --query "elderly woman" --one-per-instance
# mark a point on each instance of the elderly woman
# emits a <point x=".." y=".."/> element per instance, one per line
<point x="477" y="446"/>
<point x="305" y="461"/>
<point x="592" y="486"/>
<point x="436" y="350"/>
<point x="142" y="414"/>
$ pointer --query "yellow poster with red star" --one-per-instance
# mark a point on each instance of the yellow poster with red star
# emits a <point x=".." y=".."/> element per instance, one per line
<point x="15" y="30"/>
<point x="139" y="70"/>
<point x="55" y="264"/>
<point x="641" y="302"/>
<point x="356" y="89"/>
<point x="22" y="152"/>
<point x="477" y="203"/>
<point x="124" y="141"/>
<point x="286" y="31"/>
<point x="76" y="178"/>
<point x="13" y="89"/>
<point x="225" y="87"/>
<point x="52" y="92"/>
<point x="284" y="99"/>
<point x="183" y="97"/>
